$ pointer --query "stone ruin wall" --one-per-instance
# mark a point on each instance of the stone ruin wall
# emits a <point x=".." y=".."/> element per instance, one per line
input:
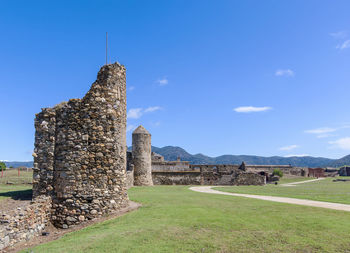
<point x="227" y="174"/>
<point x="286" y="169"/>
<point x="129" y="170"/>
<point x="168" y="173"/>
<point x="176" y="178"/>
<point x="170" y="166"/>
<point x="22" y="224"/>
<point x="80" y="147"/>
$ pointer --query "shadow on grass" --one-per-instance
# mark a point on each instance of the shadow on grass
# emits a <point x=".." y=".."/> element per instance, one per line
<point x="18" y="195"/>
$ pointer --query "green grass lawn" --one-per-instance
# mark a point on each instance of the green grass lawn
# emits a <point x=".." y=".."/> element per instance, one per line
<point x="19" y="187"/>
<point x="15" y="191"/>
<point x="175" y="219"/>
<point x="285" y="180"/>
<point x="324" y="190"/>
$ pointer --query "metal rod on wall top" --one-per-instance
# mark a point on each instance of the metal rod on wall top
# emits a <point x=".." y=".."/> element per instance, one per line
<point x="106" y="48"/>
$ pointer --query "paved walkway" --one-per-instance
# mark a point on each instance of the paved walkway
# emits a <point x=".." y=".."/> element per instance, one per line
<point x="303" y="202"/>
<point x="302" y="182"/>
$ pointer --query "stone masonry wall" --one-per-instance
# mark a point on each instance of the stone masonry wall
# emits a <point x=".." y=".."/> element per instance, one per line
<point x="176" y="178"/>
<point x="171" y="166"/>
<point x="286" y="169"/>
<point x="80" y="151"/>
<point x="24" y="223"/>
<point x="248" y="178"/>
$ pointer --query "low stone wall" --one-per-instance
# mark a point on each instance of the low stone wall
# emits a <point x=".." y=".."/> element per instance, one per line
<point x="286" y="169"/>
<point x="129" y="179"/>
<point x="176" y="178"/>
<point x="249" y="178"/>
<point x="22" y="224"/>
<point x="171" y="166"/>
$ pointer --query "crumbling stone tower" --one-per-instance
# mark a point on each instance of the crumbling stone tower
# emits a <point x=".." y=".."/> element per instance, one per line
<point x="80" y="151"/>
<point x="142" y="160"/>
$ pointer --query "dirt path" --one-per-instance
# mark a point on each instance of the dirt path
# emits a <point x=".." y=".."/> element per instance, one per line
<point x="303" y="202"/>
<point x="302" y="182"/>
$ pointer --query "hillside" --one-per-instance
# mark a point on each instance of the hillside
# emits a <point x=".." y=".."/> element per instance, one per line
<point x="15" y="164"/>
<point x="340" y="162"/>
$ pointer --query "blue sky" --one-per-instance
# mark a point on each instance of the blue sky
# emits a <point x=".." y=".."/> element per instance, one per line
<point x="214" y="77"/>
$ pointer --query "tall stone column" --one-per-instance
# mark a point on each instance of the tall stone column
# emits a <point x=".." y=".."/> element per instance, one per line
<point x="141" y="150"/>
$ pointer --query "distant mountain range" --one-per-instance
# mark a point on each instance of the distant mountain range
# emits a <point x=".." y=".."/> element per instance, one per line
<point x="171" y="153"/>
<point x="340" y="162"/>
<point x="28" y="164"/>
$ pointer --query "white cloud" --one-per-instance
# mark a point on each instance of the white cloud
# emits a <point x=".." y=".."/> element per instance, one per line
<point x="290" y="147"/>
<point x="343" y="143"/>
<point x="321" y="131"/>
<point x="130" y="128"/>
<point x="339" y="35"/>
<point x="131" y="88"/>
<point x="344" y="45"/>
<point x="325" y="135"/>
<point x="284" y="72"/>
<point x="153" y="109"/>
<point x="135" y="113"/>
<point x="162" y="82"/>
<point x="248" y="109"/>
<point x="156" y="124"/>
<point x="298" y="155"/>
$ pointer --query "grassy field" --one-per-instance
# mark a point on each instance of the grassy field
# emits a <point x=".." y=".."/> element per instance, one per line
<point x="324" y="190"/>
<point x="15" y="191"/>
<point x="285" y="180"/>
<point x="19" y="187"/>
<point x="11" y="176"/>
<point x="175" y="219"/>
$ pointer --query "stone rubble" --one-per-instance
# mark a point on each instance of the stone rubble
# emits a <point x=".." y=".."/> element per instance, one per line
<point x="22" y="224"/>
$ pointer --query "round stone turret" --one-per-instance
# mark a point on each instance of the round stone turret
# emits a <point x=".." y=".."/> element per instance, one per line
<point x="142" y="159"/>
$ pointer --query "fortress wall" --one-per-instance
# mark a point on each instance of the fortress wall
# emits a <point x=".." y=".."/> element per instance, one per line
<point x="220" y="174"/>
<point x="249" y="178"/>
<point x="171" y="166"/>
<point x="286" y="169"/>
<point x="80" y="151"/>
<point x="176" y="178"/>
<point x="220" y="168"/>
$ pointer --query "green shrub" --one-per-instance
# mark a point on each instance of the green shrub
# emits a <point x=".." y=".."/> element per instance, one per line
<point x="2" y="166"/>
<point x="277" y="172"/>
